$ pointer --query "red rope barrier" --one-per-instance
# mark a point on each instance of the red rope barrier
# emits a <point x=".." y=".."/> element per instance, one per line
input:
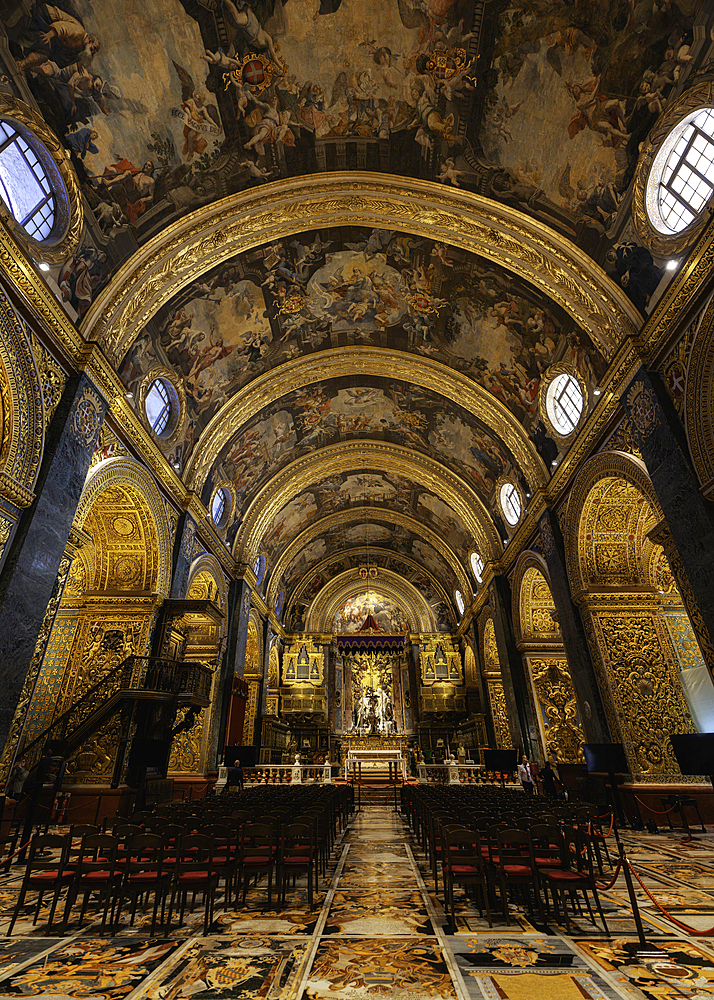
<point x="4" y="861"/>
<point x="658" y="812"/>
<point x="677" y="923"/>
<point x="604" y="888"/>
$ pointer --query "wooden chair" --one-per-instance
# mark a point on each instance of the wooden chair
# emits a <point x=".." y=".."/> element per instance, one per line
<point x="145" y="874"/>
<point x="257" y="855"/>
<point x="44" y="874"/>
<point x="575" y="874"/>
<point x="463" y="864"/>
<point x="516" y="867"/>
<point x="194" y="872"/>
<point x="98" y="870"/>
<point x="297" y="854"/>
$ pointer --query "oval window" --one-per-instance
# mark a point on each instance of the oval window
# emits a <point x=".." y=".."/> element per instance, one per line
<point x="259" y="569"/>
<point x="220" y="506"/>
<point x="459" y="601"/>
<point x="25" y="185"/>
<point x="510" y="503"/>
<point x="477" y="566"/>
<point x="564" y="403"/>
<point x="681" y="181"/>
<point x="161" y="407"/>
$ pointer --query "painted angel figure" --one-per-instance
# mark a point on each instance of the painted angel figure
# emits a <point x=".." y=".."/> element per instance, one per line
<point x="274" y="126"/>
<point x="195" y="114"/>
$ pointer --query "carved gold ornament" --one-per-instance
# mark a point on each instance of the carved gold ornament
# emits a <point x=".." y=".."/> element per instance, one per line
<point x="214" y="234"/>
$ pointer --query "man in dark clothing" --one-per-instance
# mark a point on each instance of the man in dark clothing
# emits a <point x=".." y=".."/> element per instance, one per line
<point x="549" y="779"/>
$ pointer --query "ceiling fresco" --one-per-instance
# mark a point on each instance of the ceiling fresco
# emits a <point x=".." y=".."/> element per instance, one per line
<point x="346" y="409"/>
<point x="385" y="611"/>
<point x="165" y="107"/>
<point x="361" y="489"/>
<point x="347" y="287"/>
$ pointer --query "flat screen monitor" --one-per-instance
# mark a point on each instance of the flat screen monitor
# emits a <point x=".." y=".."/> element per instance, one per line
<point x="694" y="752"/>
<point x="503" y="761"/>
<point x="606" y="758"/>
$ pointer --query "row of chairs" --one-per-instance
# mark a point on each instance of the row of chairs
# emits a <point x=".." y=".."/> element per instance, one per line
<point x="169" y="865"/>
<point x="510" y="841"/>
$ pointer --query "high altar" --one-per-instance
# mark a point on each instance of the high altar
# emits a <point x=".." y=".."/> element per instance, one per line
<point x="371" y="753"/>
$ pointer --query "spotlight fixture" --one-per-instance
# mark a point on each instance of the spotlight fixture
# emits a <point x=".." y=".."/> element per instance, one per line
<point x="672" y="265"/>
<point x="128" y="395"/>
<point x="597" y="390"/>
<point x="528" y="496"/>
<point x="554" y="462"/>
<point x="43" y="265"/>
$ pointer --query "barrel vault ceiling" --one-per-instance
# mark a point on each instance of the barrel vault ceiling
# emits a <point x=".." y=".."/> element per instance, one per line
<point x="357" y="235"/>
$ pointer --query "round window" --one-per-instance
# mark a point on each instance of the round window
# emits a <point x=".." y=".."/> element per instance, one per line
<point x="681" y="181"/>
<point x="279" y="601"/>
<point x="477" y="566"/>
<point x="459" y="601"/>
<point x="25" y="184"/>
<point x="564" y="403"/>
<point x="510" y="503"/>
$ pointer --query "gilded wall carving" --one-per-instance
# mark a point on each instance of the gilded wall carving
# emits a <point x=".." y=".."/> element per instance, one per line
<point x="499" y="715"/>
<point x="439" y="661"/>
<point x="558" y="708"/>
<point x="22" y="406"/>
<point x="251" y="712"/>
<point x="643" y="685"/>
<point x="23" y="706"/>
<point x="52" y="378"/>
<point x="185" y="757"/>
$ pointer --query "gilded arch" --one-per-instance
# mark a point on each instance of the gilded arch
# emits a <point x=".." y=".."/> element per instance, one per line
<point x="531" y="599"/>
<point x="698" y="413"/>
<point x="301" y="474"/>
<point x="349" y="584"/>
<point x="491" y="669"/>
<point x="366" y="361"/>
<point x="358" y="514"/>
<point x="126" y="474"/>
<point x="606" y="465"/>
<point x="22" y="410"/>
<point x="498" y="233"/>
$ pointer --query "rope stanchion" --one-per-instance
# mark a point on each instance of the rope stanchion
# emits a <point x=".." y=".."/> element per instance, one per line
<point x="604" y="888"/>
<point x="677" y="923"/>
<point x="612" y="823"/>
<point x="657" y="812"/>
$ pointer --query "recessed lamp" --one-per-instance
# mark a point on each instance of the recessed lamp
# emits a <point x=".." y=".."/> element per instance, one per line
<point x="672" y="265"/>
<point x="528" y="496"/>
<point x="43" y="265"/>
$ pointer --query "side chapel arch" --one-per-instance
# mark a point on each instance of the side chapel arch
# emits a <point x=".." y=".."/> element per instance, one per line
<point x="491" y="669"/>
<point x="614" y="566"/>
<point x="540" y="643"/>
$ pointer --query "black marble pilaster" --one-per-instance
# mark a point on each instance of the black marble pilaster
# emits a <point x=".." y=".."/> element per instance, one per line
<point x="484" y="705"/>
<point x="575" y="644"/>
<point x="237" y="609"/>
<point x="182" y="555"/>
<point x="30" y="571"/>
<point x="267" y="637"/>
<point x="662" y="443"/>
<point x="513" y="671"/>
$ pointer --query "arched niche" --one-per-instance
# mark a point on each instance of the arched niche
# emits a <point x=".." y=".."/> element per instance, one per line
<point x="494" y="682"/>
<point x="615" y="568"/>
<point x="541" y="645"/>
<point x="120" y="574"/>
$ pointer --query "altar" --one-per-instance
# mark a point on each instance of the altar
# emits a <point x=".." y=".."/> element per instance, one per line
<point x="374" y="753"/>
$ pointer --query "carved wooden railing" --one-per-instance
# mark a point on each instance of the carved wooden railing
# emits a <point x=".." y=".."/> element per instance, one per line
<point x="135" y="679"/>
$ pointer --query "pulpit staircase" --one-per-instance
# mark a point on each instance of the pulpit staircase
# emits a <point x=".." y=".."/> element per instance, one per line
<point x="147" y="680"/>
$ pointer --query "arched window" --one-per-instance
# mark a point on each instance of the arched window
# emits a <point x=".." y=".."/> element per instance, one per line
<point x="25" y="185"/>
<point x="259" y="569"/>
<point x="510" y="503"/>
<point x="477" y="566"/>
<point x="459" y="601"/>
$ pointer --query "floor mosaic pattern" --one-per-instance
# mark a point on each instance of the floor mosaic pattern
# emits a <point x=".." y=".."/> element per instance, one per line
<point x="378" y="929"/>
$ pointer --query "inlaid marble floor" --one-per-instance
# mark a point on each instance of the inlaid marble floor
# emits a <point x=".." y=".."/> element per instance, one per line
<point x="378" y="930"/>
